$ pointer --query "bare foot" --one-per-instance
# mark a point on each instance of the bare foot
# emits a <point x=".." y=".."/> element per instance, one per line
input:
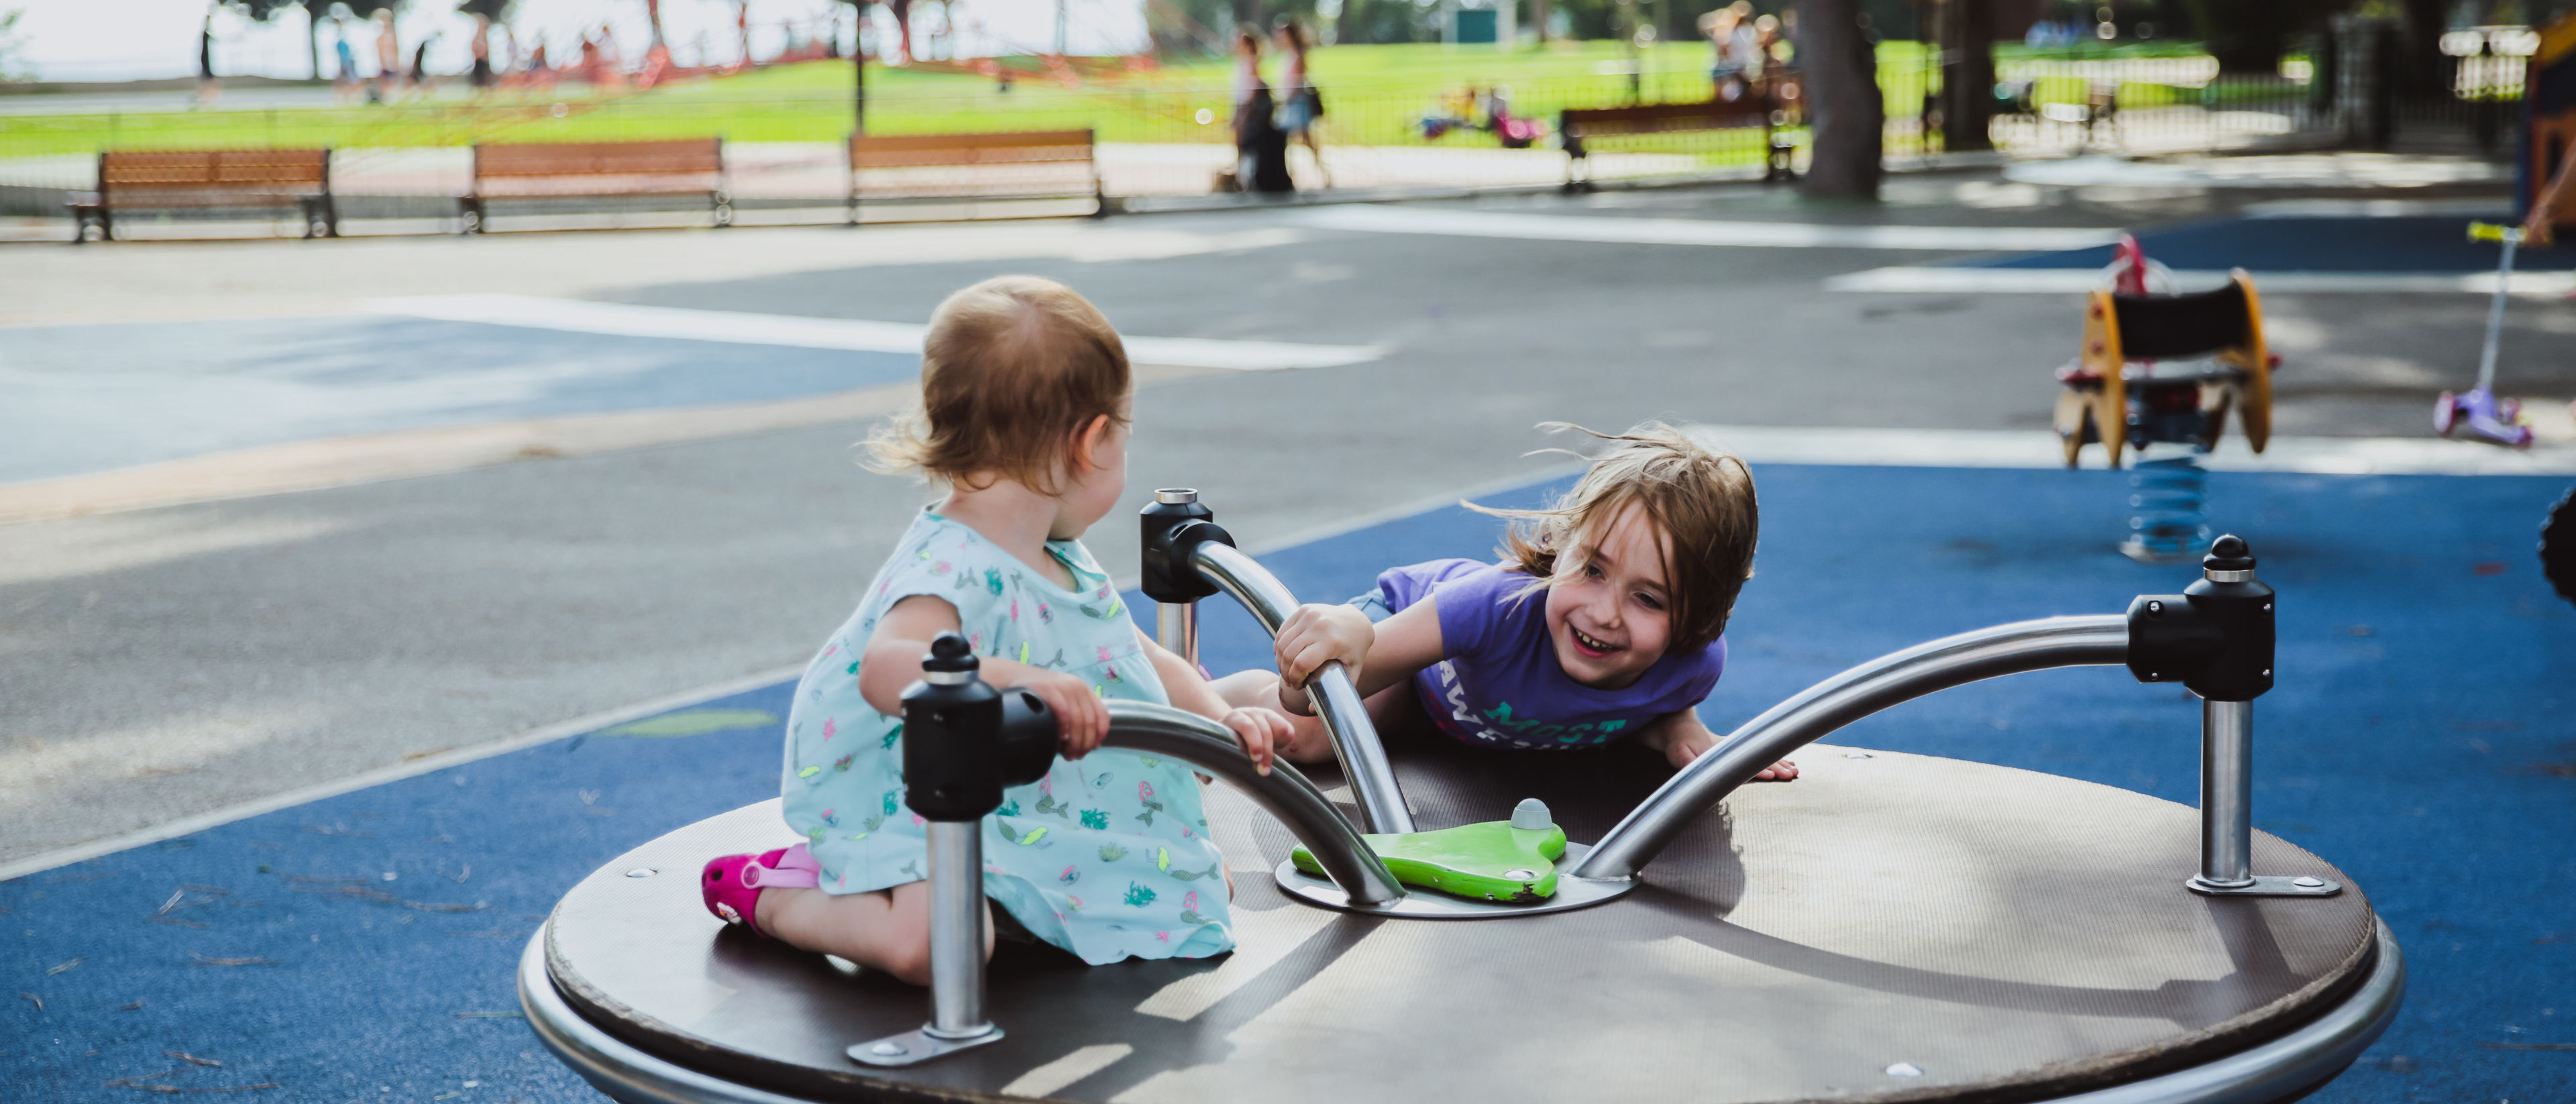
<point x="1782" y="771"/>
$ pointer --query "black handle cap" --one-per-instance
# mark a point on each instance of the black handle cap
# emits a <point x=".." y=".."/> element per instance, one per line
<point x="2229" y="553"/>
<point x="950" y="653"/>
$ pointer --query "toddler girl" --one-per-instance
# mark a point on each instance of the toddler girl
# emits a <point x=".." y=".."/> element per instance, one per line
<point x="1605" y="619"/>
<point x="1025" y="394"/>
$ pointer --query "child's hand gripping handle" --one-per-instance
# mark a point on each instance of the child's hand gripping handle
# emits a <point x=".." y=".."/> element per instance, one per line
<point x="965" y="741"/>
<point x="1317" y="639"/>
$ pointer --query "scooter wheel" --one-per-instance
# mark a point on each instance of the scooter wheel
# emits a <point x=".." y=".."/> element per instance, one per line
<point x="2508" y="411"/>
<point x="2445" y="410"/>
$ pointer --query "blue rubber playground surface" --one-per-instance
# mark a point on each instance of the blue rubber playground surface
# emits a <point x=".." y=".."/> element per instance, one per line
<point x="2423" y="738"/>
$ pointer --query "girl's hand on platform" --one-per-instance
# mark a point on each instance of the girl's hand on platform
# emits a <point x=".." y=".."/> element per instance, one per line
<point x="1319" y="634"/>
<point x="1081" y="718"/>
<point x="1260" y="732"/>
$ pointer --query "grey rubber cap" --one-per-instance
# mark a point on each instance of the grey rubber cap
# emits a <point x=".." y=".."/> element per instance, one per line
<point x="1532" y="814"/>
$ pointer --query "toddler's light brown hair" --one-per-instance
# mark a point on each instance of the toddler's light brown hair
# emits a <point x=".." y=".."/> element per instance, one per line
<point x="1702" y="501"/>
<point x="1012" y="370"/>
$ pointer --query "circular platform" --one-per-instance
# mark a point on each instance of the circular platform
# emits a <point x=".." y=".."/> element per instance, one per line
<point x="1887" y="927"/>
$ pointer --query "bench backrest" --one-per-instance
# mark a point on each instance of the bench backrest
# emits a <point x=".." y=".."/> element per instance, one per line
<point x="873" y="151"/>
<point x="299" y="172"/>
<point x="1596" y="122"/>
<point x="681" y="157"/>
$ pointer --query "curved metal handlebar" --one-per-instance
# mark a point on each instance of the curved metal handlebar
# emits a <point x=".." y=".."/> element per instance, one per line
<point x="1838" y="701"/>
<point x="1336" y="699"/>
<point x="1284" y="793"/>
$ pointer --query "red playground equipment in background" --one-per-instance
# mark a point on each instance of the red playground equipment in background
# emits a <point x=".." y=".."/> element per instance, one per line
<point x="2159" y="373"/>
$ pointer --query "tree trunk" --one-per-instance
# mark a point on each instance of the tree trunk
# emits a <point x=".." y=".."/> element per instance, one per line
<point x="1843" y="101"/>
<point x="2428" y="71"/>
<point x="1967" y="74"/>
<point x="1539" y="15"/>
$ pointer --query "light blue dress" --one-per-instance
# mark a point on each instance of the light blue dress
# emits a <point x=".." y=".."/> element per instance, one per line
<point x="1107" y="857"/>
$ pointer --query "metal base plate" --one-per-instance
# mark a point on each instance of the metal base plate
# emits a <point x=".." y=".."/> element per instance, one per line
<point x="916" y="1046"/>
<point x="1431" y="904"/>
<point x="2303" y="885"/>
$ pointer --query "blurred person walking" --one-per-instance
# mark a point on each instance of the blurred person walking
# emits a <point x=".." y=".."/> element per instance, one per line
<point x="1300" y="106"/>
<point x="209" y="86"/>
<point x="1260" y="147"/>
<point x="420" y="81"/>
<point x="345" y="83"/>
<point x="388" y="58"/>
<point x="1731" y="41"/>
<point x="480" y="76"/>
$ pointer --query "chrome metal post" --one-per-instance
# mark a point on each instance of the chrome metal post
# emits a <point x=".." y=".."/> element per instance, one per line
<point x="2227" y="812"/>
<point x="2226" y="794"/>
<point x="2229" y="596"/>
<point x="957" y="930"/>
<point x="1176" y="628"/>
<point x="1336" y="699"/>
<point x="956" y="955"/>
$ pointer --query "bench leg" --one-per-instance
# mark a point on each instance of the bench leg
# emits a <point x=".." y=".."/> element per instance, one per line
<point x="317" y="219"/>
<point x="723" y="206"/>
<point x="469" y="216"/>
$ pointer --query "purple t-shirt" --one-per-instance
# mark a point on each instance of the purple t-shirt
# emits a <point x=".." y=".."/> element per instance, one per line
<point x="1501" y="685"/>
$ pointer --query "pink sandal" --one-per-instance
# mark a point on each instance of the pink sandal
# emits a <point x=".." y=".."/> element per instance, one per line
<point x="732" y="884"/>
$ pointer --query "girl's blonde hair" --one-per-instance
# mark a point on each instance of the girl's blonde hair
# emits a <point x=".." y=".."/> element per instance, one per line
<point x="1012" y="370"/>
<point x="1701" y="500"/>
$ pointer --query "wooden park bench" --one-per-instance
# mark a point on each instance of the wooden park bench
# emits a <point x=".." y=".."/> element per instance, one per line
<point x="130" y="180"/>
<point x="596" y="170"/>
<point x="1034" y="164"/>
<point x="1582" y="125"/>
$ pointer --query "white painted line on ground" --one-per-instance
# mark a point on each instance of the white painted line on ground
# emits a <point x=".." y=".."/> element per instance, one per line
<point x="432" y="450"/>
<point x="745" y="328"/>
<point x="2002" y="448"/>
<point x="217" y="818"/>
<point x="1389" y="219"/>
<point x="2499" y="208"/>
<point x="1942" y="279"/>
<point x="2288" y="170"/>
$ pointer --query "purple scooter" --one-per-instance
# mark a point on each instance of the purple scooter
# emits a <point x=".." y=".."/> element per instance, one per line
<point x="2499" y="420"/>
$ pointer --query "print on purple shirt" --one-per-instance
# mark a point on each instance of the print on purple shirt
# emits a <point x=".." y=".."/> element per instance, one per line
<point x="1500" y="685"/>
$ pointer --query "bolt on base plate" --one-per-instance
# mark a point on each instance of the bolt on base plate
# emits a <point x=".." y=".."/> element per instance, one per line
<point x="2273" y="886"/>
<point x="915" y="1046"/>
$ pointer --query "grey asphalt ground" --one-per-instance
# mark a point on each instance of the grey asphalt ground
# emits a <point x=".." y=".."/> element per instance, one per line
<point x="167" y="662"/>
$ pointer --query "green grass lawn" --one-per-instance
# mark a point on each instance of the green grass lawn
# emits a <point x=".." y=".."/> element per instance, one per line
<point x="1373" y="96"/>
